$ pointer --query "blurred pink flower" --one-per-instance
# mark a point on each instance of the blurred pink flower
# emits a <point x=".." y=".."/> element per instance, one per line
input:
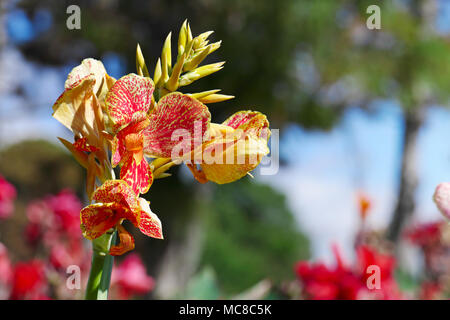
<point x="442" y="198"/>
<point x="5" y="266"/>
<point x="7" y="196"/>
<point x="54" y="218"/>
<point x="66" y="208"/>
<point x="131" y="277"/>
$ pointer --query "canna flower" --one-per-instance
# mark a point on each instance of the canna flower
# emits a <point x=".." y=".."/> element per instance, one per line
<point x="116" y="202"/>
<point x="235" y="148"/>
<point x="128" y="103"/>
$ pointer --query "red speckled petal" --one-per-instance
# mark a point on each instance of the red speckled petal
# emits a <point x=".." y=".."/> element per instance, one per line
<point x="82" y="145"/>
<point x="175" y="111"/>
<point x="251" y="122"/>
<point x="138" y="176"/>
<point x="117" y="191"/>
<point x="119" y="151"/>
<point x="97" y="218"/>
<point x="130" y="94"/>
<point x="131" y="133"/>
<point x="126" y="242"/>
<point x="149" y="223"/>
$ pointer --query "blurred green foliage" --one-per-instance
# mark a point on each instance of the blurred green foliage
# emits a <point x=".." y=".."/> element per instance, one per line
<point x="38" y="167"/>
<point x="251" y="235"/>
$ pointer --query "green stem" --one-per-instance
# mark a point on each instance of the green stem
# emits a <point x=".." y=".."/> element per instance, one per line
<point x="101" y="267"/>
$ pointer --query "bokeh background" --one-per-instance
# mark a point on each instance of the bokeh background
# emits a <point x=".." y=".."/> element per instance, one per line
<point x="359" y="111"/>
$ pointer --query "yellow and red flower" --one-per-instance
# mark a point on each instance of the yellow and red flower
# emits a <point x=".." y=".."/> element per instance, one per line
<point x="234" y="148"/>
<point x="116" y="202"/>
<point x="128" y="103"/>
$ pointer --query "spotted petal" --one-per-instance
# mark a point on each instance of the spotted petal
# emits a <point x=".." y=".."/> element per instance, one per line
<point x="175" y="113"/>
<point x="138" y="175"/>
<point x="251" y="122"/>
<point x="117" y="191"/>
<point x="98" y="218"/>
<point x="83" y="146"/>
<point x="129" y="139"/>
<point x="130" y="94"/>
<point x="230" y="155"/>
<point x="149" y="223"/>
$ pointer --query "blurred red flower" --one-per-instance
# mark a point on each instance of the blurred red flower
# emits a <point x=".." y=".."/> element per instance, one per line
<point x="5" y="268"/>
<point x="341" y="282"/>
<point x="425" y="235"/>
<point x="29" y="281"/>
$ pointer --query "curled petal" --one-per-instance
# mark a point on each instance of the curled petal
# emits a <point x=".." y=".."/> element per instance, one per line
<point x="98" y="218"/>
<point x="176" y="114"/>
<point x="75" y="108"/>
<point x="138" y="175"/>
<point x="442" y="198"/>
<point x="130" y="94"/>
<point x="93" y="69"/>
<point x="126" y="242"/>
<point x="199" y="175"/>
<point x="149" y="223"/>
<point x="119" y="192"/>
<point x="236" y="147"/>
<point x="235" y="161"/>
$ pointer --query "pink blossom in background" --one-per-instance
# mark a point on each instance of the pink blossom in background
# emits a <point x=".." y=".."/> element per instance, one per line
<point x="7" y="196"/>
<point x="130" y="277"/>
<point x="6" y="272"/>
<point x="442" y="198"/>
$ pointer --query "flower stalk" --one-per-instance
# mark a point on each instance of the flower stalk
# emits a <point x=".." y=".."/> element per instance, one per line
<point x="101" y="267"/>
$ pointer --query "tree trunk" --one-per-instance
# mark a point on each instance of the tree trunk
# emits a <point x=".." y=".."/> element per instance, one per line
<point x="409" y="180"/>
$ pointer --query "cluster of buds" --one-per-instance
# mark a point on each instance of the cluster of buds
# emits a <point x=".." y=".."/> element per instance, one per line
<point x="136" y="123"/>
<point x="169" y="77"/>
